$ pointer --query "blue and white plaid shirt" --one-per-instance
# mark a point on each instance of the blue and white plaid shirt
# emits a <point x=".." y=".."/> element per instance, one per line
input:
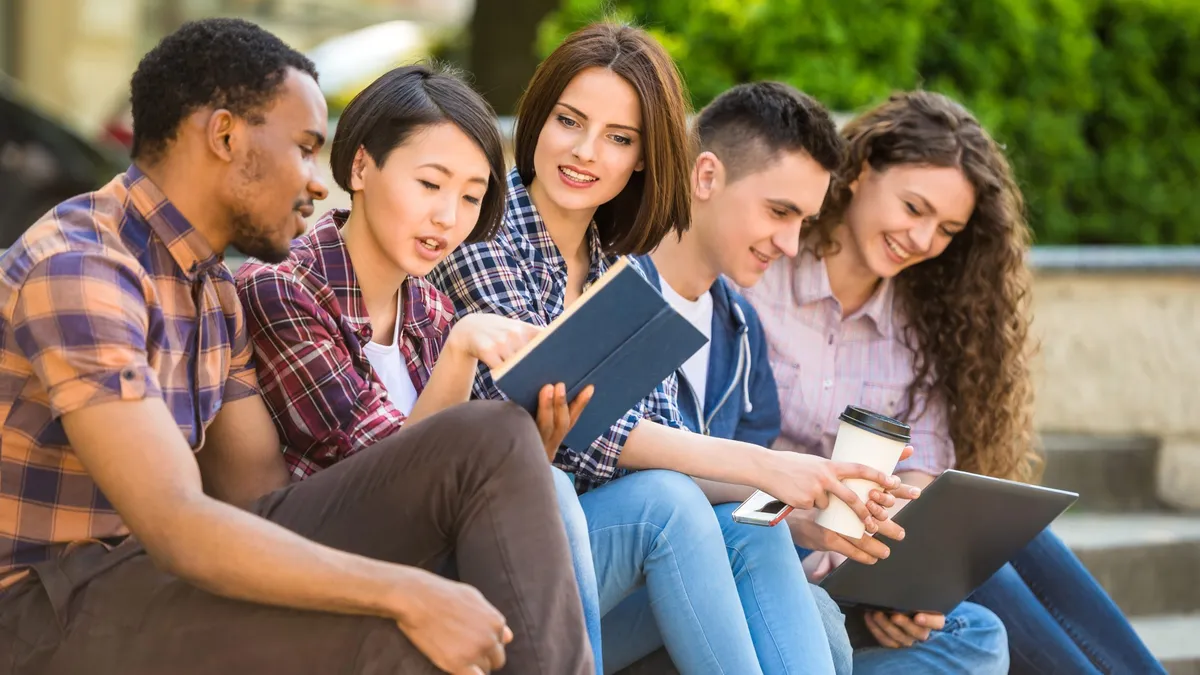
<point x="521" y="274"/>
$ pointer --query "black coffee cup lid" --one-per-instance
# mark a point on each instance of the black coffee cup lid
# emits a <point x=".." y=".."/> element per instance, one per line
<point x="876" y="423"/>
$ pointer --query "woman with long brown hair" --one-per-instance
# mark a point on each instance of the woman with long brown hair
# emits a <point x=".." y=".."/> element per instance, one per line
<point x="910" y="296"/>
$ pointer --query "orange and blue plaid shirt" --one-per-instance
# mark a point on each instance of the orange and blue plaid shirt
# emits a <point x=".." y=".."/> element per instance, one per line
<point x="112" y="296"/>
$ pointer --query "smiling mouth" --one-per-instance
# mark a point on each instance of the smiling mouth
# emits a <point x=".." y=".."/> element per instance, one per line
<point x="576" y="176"/>
<point x="761" y="256"/>
<point x="432" y="244"/>
<point x="895" y="248"/>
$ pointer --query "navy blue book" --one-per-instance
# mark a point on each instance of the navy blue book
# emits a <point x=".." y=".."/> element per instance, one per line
<point x="620" y="336"/>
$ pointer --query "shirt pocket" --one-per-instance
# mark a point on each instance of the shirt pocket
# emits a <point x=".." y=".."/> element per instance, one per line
<point x="796" y="364"/>
<point x="883" y="398"/>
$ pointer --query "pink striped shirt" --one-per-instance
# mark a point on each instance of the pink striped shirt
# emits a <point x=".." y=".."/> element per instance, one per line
<point x="823" y="362"/>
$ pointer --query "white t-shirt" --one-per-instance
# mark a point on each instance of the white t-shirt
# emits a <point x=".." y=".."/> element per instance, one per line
<point x="388" y="363"/>
<point x="700" y="314"/>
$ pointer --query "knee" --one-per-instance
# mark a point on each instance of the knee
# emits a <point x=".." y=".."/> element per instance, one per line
<point x="672" y="501"/>
<point x="479" y="425"/>
<point x="983" y="630"/>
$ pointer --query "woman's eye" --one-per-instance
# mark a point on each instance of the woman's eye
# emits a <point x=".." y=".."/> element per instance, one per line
<point x="428" y="185"/>
<point x="779" y="213"/>
<point x="622" y="140"/>
<point x="912" y="209"/>
<point x="474" y="201"/>
<point x="566" y="121"/>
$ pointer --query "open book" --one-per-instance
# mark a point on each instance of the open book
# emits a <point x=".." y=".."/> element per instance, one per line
<point x="620" y="336"/>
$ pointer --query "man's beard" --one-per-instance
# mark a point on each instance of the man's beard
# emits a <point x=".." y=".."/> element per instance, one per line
<point x="252" y="241"/>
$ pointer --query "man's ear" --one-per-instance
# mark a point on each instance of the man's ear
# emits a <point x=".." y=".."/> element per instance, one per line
<point x="708" y="176"/>
<point x="221" y="133"/>
<point x="357" y="168"/>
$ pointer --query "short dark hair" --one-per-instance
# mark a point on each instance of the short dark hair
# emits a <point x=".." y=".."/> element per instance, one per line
<point x="751" y="124"/>
<point x="404" y="100"/>
<point x="222" y="63"/>
<point x="657" y="199"/>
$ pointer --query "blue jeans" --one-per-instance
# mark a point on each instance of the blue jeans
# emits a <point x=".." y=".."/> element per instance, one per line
<point x="1059" y="619"/>
<point x="722" y="597"/>
<point x="973" y="641"/>
<point x="581" y="559"/>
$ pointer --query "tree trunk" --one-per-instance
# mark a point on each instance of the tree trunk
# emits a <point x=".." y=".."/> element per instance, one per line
<point x="503" y="43"/>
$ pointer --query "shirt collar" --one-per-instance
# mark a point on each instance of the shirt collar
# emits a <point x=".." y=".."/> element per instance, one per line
<point x="811" y="284"/>
<point x="521" y="211"/>
<point x="186" y="245"/>
<point x="422" y="305"/>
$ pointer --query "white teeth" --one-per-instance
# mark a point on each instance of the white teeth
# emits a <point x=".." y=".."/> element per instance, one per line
<point x="430" y="244"/>
<point x="577" y="176"/>
<point x="900" y="253"/>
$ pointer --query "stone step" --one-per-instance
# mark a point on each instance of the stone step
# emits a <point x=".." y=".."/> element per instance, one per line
<point x="1147" y="562"/>
<point x="1172" y="638"/>
<point x="1111" y="474"/>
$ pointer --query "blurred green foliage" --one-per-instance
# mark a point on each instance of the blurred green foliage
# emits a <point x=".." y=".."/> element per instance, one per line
<point x="1097" y="101"/>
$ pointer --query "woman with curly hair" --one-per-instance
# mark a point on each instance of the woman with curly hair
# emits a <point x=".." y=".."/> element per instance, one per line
<point x="910" y="296"/>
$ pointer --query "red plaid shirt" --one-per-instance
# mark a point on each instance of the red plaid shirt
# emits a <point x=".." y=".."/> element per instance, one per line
<point x="308" y="324"/>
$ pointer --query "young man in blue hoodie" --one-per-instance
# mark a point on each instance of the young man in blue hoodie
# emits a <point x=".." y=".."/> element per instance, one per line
<point x="766" y="153"/>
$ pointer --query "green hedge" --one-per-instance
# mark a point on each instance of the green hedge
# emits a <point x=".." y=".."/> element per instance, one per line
<point x="1097" y="101"/>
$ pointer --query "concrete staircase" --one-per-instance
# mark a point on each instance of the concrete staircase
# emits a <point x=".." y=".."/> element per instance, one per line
<point x="1146" y="557"/>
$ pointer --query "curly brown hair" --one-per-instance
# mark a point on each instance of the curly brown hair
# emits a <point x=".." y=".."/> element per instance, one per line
<point x="966" y="311"/>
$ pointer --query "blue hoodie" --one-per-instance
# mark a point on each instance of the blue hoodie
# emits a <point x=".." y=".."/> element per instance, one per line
<point x="741" y="401"/>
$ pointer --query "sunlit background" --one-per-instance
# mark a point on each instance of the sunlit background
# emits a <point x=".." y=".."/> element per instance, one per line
<point x="1096" y="101"/>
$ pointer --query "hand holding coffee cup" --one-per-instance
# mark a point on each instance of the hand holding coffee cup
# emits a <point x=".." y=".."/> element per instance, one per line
<point x="864" y="438"/>
<point x="810" y="482"/>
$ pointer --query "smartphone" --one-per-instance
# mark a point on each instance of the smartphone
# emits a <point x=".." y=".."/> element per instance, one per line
<point x="761" y="509"/>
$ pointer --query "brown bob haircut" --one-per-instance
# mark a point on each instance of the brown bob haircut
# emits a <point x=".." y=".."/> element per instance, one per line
<point x="657" y="199"/>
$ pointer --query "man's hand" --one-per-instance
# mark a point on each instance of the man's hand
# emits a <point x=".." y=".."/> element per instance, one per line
<point x="555" y="418"/>
<point x="490" y="338"/>
<point x="898" y="630"/>
<point x="454" y="626"/>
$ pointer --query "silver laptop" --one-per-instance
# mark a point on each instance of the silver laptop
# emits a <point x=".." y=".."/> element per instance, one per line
<point x="960" y="532"/>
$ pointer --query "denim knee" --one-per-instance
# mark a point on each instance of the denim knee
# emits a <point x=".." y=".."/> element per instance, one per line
<point x="977" y="626"/>
<point x="673" y="502"/>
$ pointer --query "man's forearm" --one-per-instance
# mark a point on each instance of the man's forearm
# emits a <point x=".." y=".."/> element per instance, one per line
<point x="449" y="384"/>
<point x="239" y="555"/>
<point x="655" y="446"/>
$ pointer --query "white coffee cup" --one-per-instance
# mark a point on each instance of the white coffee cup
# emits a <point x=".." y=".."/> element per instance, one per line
<point x="867" y="438"/>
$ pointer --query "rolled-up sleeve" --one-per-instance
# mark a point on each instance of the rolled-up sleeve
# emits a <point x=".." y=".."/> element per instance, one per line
<point x="81" y="320"/>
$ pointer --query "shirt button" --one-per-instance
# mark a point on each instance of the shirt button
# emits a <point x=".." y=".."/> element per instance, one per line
<point x="827" y="383"/>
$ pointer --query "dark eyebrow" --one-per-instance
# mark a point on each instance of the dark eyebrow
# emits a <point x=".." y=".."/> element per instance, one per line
<point x="786" y="205"/>
<point x="317" y="136"/>
<point x="450" y="174"/>
<point x="932" y="210"/>
<point x="580" y="113"/>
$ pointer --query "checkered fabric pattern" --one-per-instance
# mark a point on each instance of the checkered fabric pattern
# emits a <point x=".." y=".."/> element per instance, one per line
<point x="522" y="274"/>
<point x="112" y="296"/>
<point x="309" y="324"/>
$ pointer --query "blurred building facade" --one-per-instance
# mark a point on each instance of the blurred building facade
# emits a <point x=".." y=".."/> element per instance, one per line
<point x="74" y="57"/>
